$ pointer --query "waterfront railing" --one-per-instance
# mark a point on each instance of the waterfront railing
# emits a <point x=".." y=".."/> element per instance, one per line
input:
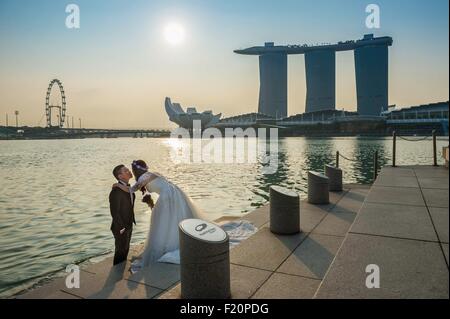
<point x="394" y="145"/>
<point x="375" y="162"/>
<point x="394" y="152"/>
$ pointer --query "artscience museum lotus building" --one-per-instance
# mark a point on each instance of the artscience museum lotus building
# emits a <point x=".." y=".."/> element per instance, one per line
<point x="186" y="119"/>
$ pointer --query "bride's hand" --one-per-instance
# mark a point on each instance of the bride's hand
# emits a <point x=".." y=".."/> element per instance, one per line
<point x="149" y="200"/>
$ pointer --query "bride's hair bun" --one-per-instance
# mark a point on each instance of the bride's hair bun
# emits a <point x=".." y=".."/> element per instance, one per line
<point x="139" y="167"/>
<point x="140" y="164"/>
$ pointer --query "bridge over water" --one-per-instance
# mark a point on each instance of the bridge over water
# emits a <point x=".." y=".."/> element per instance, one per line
<point x="61" y="133"/>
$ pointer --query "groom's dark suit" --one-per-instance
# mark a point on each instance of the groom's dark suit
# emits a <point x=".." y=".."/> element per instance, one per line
<point x="121" y="205"/>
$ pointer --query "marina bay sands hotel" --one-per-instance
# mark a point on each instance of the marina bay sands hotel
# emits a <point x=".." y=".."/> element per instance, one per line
<point x="371" y="68"/>
<point x="372" y="118"/>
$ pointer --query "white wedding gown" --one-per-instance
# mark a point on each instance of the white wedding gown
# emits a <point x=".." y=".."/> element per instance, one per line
<point x="172" y="206"/>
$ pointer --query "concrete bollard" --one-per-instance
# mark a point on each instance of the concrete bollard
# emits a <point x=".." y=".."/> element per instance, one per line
<point x="318" y="188"/>
<point x="334" y="175"/>
<point x="445" y="155"/>
<point x="204" y="260"/>
<point x="284" y="211"/>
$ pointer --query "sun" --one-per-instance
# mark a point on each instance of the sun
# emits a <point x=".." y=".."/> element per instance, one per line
<point x="174" y="33"/>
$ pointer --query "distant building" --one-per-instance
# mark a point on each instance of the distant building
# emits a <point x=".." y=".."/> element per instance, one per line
<point x="186" y="119"/>
<point x="318" y="116"/>
<point x="416" y="120"/>
<point x="426" y="111"/>
<point x="423" y="118"/>
<point x="273" y="84"/>
<point x="371" y="68"/>
<point x="245" y="118"/>
<point x="320" y="80"/>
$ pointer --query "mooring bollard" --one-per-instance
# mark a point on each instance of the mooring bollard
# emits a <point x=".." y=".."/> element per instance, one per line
<point x="445" y="154"/>
<point x="334" y="175"/>
<point x="375" y="166"/>
<point x="204" y="260"/>
<point x="434" y="149"/>
<point x="284" y="211"/>
<point x="337" y="158"/>
<point x="394" y="147"/>
<point x="318" y="188"/>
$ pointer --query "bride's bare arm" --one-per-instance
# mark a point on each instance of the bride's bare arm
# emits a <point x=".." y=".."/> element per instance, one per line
<point x="142" y="182"/>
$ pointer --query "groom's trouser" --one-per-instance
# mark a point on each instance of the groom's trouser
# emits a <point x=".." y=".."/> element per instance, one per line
<point x="122" y="242"/>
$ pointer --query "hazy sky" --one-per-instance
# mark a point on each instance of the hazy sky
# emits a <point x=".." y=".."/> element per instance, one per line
<point x="118" y="67"/>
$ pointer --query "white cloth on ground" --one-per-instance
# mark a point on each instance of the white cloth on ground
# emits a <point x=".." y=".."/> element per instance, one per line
<point x="237" y="231"/>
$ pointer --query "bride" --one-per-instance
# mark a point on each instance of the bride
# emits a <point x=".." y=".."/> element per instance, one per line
<point x="172" y="206"/>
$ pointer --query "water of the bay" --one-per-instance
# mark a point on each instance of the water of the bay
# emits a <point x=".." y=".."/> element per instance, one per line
<point x="54" y="207"/>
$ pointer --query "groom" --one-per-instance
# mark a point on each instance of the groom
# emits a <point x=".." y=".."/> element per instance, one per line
<point x="121" y="204"/>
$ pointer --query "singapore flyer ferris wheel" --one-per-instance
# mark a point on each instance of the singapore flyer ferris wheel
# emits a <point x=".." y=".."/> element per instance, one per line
<point x="61" y="109"/>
